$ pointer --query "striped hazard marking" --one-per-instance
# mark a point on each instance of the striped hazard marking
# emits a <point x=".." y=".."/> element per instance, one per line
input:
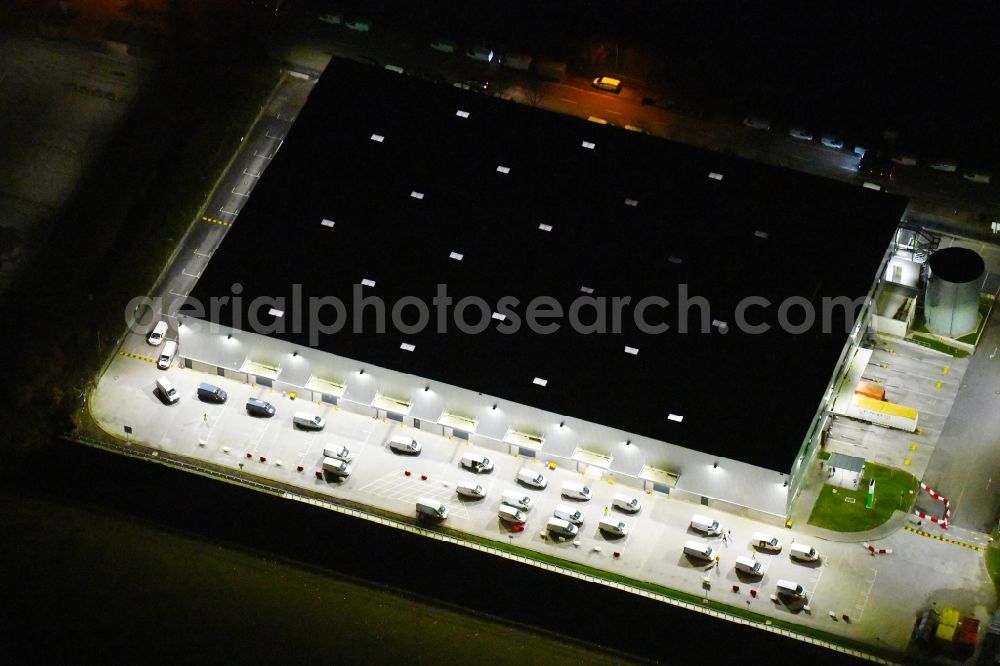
<point x="938" y="537"/>
<point x="138" y="357"/>
<point x="214" y="220"/>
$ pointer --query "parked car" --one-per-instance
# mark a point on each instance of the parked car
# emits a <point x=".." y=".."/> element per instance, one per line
<point x="608" y="84"/>
<point x="626" y="503"/>
<point x="473" y="86"/>
<point x="470" y="489"/>
<point x="167" y="357"/>
<point x="481" y="53"/>
<point x="756" y="122"/>
<point x="332" y="18"/>
<point x="404" y="444"/>
<point x="338" y="451"/>
<point x="211" y="393"/>
<point x="576" y="490"/>
<point x="308" y="421"/>
<point x="949" y="166"/>
<point x="257" y="407"/>
<point x="167" y="391"/>
<point x="336" y="467"/>
<point x="977" y="176"/>
<point x="566" y="512"/>
<point x="748" y="565"/>
<point x="444" y="46"/>
<point x="832" y="141"/>
<point x="512" y="514"/>
<point x="801" y="551"/>
<point x="705" y="524"/>
<point x="156" y="335"/>
<point x="905" y="159"/>
<point x="477" y="462"/>
<point x="561" y="527"/>
<point x="516" y="498"/>
<point x="531" y="478"/>
<point x="801" y="134"/>
<point x="613" y="526"/>
<point x="359" y="25"/>
<point x="766" y="542"/>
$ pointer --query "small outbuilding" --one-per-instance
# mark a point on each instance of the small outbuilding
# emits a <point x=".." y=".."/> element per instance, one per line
<point x="845" y="471"/>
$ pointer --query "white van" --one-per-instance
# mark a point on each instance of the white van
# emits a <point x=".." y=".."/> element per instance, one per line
<point x="480" y="53"/>
<point x="626" y="502"/>
<point x="167" y="390"/>
<point x="156" y="335"/>
<point x="562" y="527"/>
<point x="800" y="551"/>
<point x="706" y="525"/>
<point x="359" y="25"/>
<point x="308" y="421"/>
<point x="569" y="513"/>
<point x="512" y="514"/>
<point x="530" y="478"/>
<point x="516" y="498"/>
<point x="338" y="451"/>
<point x="336" y="467"/>
<point x="766" y="542"/>
<point x="470" y="489"/>
<point x="167" y="357"/>
<point x="576" y="490"/>
<point x="699" y="550"/>
<point x="477" y="462"/>
<point x="613" y="526"/>
<point x="431" y="508"/>
<point x="404" y="444"/>
<point x="444" y="47"/>
<point x="748" y="565"/>
<point x="790" y="588"/>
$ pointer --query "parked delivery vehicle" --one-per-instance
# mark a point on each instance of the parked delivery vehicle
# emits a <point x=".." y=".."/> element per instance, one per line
<point x="790" y="588"/>
<point x="167" y="390"/>
<point x="167" y="357"/>
<point x="576" y="490"/>
<point x="801" y="551"/>
<point x="336" y="467"/>
<point x="338" y="451"/>
<point x="156" y="335"/>
<point x="706" y="525"/>
<point x="613" y="526"/>
<point x="211" y="393"/>
<point x="470" y="489"/>
<point x="561" y="527"/>
<point x="530" y="478"/>
<point x="477" y="462"/>
<point x="404" y="444"/>
<point x="766" y="542"/>
<point x="512" y="514"/>
<point x="569" y="513"/>
<point x="431" y="508"/>
<point x="257" y="407"/>
<point x="308" y="421"/>
<point x="700" y="550"/>
<point x="516" y="498"/>
<point x="748" y="565"/>
<point x="626" y="503"/>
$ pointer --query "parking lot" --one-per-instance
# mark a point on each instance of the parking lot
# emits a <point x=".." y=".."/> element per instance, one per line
<point x="879" y="594"/>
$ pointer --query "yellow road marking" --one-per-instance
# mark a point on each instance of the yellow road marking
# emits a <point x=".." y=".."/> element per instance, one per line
<point x="938" y="537"/>
<point x="213" y="220"/>
<point x="138" y="357"/>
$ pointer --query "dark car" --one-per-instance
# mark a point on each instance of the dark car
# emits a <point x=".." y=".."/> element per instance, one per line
<point x="211" y="393"/>
<point x="257" y="407"/>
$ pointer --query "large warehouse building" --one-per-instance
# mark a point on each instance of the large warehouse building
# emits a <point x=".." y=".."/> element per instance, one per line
<point x="388" y="187"/>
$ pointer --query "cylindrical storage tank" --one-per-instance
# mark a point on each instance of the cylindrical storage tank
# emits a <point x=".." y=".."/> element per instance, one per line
<point x="951" y="300"/>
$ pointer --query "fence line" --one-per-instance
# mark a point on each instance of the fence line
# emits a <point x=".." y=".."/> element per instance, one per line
<point x="173" y="461"/>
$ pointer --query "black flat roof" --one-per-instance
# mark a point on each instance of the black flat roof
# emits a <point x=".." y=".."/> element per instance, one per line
<point x="759" y="231"/>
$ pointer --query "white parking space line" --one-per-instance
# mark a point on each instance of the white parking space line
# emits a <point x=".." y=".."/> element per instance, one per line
<point x="196" y="277"/>
<point x="252" y="175"/>
<point x="239" y="194"/>
<point x="867" y="595"/>
<point x="202" y="254"/>
<point x="229" y="212"/>
<point x="266" y="157"/>
<point x="174" y="293"/>
<point x="568" y="100"/>
<point x="276" y="138"/>
<point x="397" y="486"/>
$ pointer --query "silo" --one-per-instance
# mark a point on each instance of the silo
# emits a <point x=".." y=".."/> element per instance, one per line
<point x="951" y="300"/>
